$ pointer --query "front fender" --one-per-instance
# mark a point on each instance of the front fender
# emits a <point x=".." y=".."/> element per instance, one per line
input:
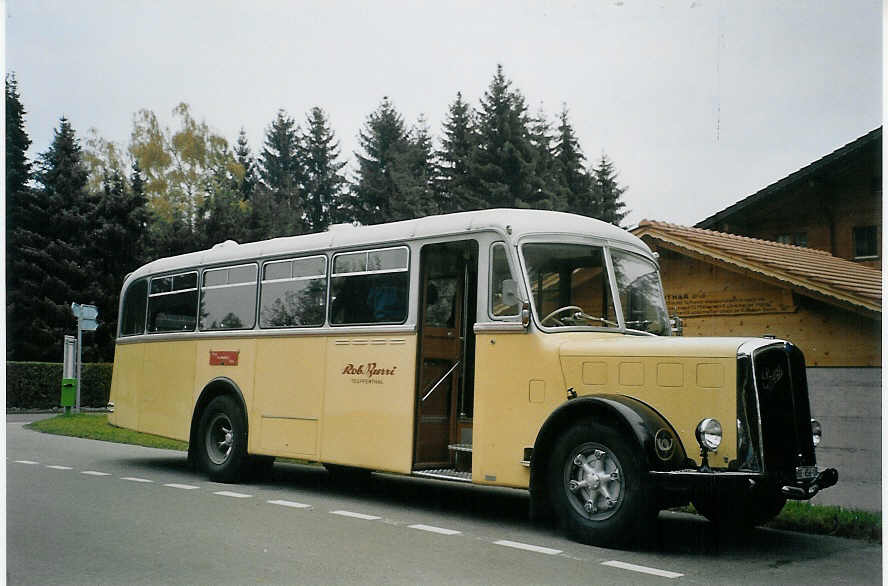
<point x="638" y="420"/>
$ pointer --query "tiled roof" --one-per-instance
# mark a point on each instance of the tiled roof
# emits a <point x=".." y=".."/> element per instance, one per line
<point x="872" y="137"/>
<point x="805" y="269"/>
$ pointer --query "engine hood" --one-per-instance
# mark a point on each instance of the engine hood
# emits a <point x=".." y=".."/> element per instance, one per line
<point x="650" y="346"/>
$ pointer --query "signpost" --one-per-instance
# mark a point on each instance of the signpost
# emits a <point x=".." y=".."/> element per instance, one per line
<point x="86" y="321"/>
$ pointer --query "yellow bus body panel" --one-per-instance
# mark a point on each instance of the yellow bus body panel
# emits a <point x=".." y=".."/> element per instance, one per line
<point x="290" y="381"/>
<point x="126" y="383"/>
<point x="165" y="397"/>
<point x="368" y="411"/>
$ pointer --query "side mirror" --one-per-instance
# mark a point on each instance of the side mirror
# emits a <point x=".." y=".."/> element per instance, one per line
<point x="510" y="293"/>
<point x="525" y="314"/>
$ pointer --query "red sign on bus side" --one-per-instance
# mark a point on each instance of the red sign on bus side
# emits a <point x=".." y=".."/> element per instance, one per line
<point x="224" y="357"/>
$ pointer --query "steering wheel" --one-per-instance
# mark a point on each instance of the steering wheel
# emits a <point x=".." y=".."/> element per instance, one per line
<point x="558" y="311"/>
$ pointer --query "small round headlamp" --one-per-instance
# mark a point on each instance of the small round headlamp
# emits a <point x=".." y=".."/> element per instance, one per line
<point x="709" y="434"/>
<point x="816" y="432"/>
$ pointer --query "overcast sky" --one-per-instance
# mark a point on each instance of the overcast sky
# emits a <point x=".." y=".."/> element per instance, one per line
<point x="699" y="103"/>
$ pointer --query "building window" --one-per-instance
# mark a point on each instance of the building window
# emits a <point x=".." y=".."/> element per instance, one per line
<point x="866" y="242"/>
<point x="796" y="239"/>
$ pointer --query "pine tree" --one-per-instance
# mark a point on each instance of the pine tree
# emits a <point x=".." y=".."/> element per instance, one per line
<point x="51" y="262"/>
<point x="608" y="192"/>
<point x="571" y="168"/>
<point x="224" y="214"/>
<point x="548" y="192"/>
<point x="18" y="168"/>
<point x="457" y="184"/>
<point x="245" y="159"/>
<point x="413" y="174"/>
<point x="18" y="203"/>
<point x="117" y="246"/>
<point x="504" y="159"/>
<point x="282" y="175"/>
<point x="324" y="180"/>
<point x="383" y="140"/>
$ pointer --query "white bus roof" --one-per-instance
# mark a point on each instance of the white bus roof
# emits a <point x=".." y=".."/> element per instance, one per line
<point x="513" y="223"/>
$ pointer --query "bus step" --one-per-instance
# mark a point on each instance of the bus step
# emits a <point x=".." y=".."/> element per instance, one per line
<point x="445" y="474"/>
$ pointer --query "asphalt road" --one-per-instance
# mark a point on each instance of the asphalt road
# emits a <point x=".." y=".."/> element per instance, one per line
<point x="88" y="512"/>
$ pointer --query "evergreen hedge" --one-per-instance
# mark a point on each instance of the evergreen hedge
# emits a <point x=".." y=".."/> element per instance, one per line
<point x="38" y="385"/>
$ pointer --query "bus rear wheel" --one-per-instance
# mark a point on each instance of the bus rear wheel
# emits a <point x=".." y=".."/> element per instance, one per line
<point x="222" y="440"/>
<point x="596" y="486"/>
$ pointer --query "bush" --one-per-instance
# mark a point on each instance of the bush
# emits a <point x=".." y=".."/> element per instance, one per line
<point x="38" y="385"/>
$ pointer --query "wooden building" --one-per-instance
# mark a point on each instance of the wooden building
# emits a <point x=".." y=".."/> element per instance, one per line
<point x="833" y="204"/>
<point x="728" y="285"/>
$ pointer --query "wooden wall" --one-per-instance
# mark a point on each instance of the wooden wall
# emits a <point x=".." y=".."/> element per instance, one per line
<point x="717" y="302"/>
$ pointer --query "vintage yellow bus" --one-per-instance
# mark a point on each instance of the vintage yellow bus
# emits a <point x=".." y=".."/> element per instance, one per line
<point x="516" y="348"/>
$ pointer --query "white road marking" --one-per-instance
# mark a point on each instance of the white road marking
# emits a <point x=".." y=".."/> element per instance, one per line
<point x="60" y="467"/>
<point x="237" y="495"/>
<point x="94" y="473"/>
<point x="431" y="529"/>
<point x="355" y="515"/>
<point x="182" y="486"/>
<point x="528" y="547"/>
<point x="290" y="504"/>
<point x="134" y="479"/>
<point x="32" y="462"/>
<point x="642" y="569"/>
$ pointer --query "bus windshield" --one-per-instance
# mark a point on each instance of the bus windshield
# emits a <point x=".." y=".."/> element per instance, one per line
<point x="570" y="287"/>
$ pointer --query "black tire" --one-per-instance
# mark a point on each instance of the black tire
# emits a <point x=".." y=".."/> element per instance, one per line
<point x="597" y="488"/>
<point x="221" y="449"/>
<point x="733" y="511"/>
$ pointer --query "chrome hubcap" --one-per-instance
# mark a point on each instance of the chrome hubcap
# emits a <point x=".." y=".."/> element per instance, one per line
<point x="594" y="481"/>
<point x="220" y="439"/>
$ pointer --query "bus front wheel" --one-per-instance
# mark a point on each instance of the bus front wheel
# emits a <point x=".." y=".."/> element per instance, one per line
<point x="222" y="450"/>
<point x="597" y="488"/>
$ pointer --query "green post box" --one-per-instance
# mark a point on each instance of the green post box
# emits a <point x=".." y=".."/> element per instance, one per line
<point x="69" y="393"/>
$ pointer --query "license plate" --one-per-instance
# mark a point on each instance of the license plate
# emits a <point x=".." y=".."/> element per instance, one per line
<point x="806" y="472"/>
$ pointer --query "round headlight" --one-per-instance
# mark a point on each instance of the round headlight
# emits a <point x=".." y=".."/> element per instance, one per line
<point x="709" y="434"/>
<point x="816" y="432"/>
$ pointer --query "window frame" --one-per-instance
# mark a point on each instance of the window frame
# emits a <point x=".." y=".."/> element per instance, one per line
<point x="326" y="277"/>
<point x="875" y="255"/>
<point x="196" y="288"/>
<point x="331" y="275"/>
<point x="120" y="334"/>
<point x="518" y="278"/>
<point x="204" y="287"/>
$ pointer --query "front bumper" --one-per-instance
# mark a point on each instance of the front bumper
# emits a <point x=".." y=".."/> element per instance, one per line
<point x="693" y="482"/>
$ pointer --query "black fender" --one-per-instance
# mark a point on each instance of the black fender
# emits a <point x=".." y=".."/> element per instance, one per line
<point x="637" y="420"/>
<point x="221" y="385"/>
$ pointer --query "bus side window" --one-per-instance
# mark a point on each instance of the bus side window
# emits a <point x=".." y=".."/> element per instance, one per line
<point x="370" y="287"/>
<point x="135" y="302"/>
<point x="294" y="293"/>
<point x="172" y="303"/>
<point x="499" y="273"/>
<point x="228" y="298"/>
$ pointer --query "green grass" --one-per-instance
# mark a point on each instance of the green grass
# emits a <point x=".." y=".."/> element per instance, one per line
<point x="804" y="517"/>
<point x="796" y="516"/>
<point x="829" y="520"/>
<point x="96" y="426"/>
